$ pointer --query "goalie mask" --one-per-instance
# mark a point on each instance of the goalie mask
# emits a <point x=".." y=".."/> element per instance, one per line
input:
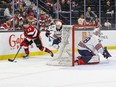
<point x="96" y="31"/>
<point x="58" y="25"/>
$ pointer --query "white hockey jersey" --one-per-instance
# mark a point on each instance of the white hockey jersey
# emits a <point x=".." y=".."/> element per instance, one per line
<point x="55" y="33"/>
<point x="91" y="43"/>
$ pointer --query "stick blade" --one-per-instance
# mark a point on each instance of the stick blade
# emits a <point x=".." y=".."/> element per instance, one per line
<point x="10" y="60"/>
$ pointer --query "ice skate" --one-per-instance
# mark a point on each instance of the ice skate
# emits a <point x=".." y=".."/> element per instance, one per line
<point x="51" y="53"/>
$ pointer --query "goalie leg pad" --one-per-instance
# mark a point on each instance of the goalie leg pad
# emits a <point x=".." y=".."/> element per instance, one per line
<point x="80" y="61"/>
<point x="85" y="55"/>
<point x="93" y="60"/>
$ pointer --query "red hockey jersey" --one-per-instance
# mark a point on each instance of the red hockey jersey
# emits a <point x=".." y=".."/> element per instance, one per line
<point x="31" y="32"/>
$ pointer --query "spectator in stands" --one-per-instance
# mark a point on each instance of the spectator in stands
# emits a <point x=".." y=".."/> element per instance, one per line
<point x="7" y="26"/>
<point x="42" y="20"/>
<point x="114" y="9"/>
<point x="97" y="23"/>
<point x="107" y="24"/>
<point x="19" y="2"/>
<point x="75" y="9"/>
<point x="64" y="5"/>
<point x="24" y="15"/>
<point x="91" y="2"/>
<point x="20" y="9"/>
<point x="5" y="1"/>
<point x="109" y="9"/>
<point x="49" y="7"/>
<point x="22" y="3"/>
<point x="88" y="22"/>
<point x="16" y="19"/>
<point x="56" y="10"/>
<point x="28" y="3"/>
<point x="2" y="2"/>
<point x="7" y="12"/>
<point x="75" y="6"/>
<point x="34" y="1"/>
<point x="15" y="4"/>
<point x="31" y="9"/>
<point x="68" y="5"/>
<point x="90" y="15"/>
<point x="81" y="20"/>
<point x="31" y="19"/>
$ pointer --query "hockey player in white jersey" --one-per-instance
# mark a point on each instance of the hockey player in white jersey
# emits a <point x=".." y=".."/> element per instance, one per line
<point x="55" y="34"/>
<point x="89" y="49"/>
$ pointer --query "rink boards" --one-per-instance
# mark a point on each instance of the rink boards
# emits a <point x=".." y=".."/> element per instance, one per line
<point x="10" y="42"/>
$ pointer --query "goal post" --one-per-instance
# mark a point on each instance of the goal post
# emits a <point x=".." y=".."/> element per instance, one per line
<point x="83" y="31"/>
<point x="67" y="53"/>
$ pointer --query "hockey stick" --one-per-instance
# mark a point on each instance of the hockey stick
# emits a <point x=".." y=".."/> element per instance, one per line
<point x="51" y="37"/>
<point x="11" y="60"/>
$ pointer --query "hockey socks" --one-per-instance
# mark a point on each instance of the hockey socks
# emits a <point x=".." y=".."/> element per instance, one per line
<point x="50" y="52"/>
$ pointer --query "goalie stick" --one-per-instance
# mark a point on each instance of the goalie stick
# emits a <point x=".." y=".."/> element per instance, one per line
<point x="12" y="60"/>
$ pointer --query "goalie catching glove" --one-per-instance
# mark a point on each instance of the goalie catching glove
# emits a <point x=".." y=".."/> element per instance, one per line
<point x="106" y="54"/>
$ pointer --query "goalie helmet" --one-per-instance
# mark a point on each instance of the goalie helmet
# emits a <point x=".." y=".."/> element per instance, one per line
<point x="58" y="23"/>
<point x="96" y="31"/>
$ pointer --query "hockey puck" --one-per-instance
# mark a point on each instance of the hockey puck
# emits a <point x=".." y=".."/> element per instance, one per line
<point x="15" y="61"/>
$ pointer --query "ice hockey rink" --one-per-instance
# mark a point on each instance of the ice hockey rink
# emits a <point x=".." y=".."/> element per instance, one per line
<point x="34" y="72"/>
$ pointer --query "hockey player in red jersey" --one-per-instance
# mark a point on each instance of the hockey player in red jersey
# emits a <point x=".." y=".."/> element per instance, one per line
<point x="89" y="49"/>
<point x="32" y="35"/>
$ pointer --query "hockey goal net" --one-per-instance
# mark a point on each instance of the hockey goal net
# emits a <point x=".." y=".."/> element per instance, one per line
<point x="67" y="53"/>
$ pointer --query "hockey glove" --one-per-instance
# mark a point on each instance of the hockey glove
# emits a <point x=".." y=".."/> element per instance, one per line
<point x="106" y="54"/>
<point x="26" y="42"/>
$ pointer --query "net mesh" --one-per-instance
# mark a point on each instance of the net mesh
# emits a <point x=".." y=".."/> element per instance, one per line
<point x="63" y="56"/>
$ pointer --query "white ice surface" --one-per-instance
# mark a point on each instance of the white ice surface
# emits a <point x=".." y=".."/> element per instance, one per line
<point x="34" y="72"/>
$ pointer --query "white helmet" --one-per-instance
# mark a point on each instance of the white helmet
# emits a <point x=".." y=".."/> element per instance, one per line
<point x="58" y="23"/>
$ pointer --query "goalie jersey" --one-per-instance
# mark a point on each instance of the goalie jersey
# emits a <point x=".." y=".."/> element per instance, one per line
<point x="91" y="43"/>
